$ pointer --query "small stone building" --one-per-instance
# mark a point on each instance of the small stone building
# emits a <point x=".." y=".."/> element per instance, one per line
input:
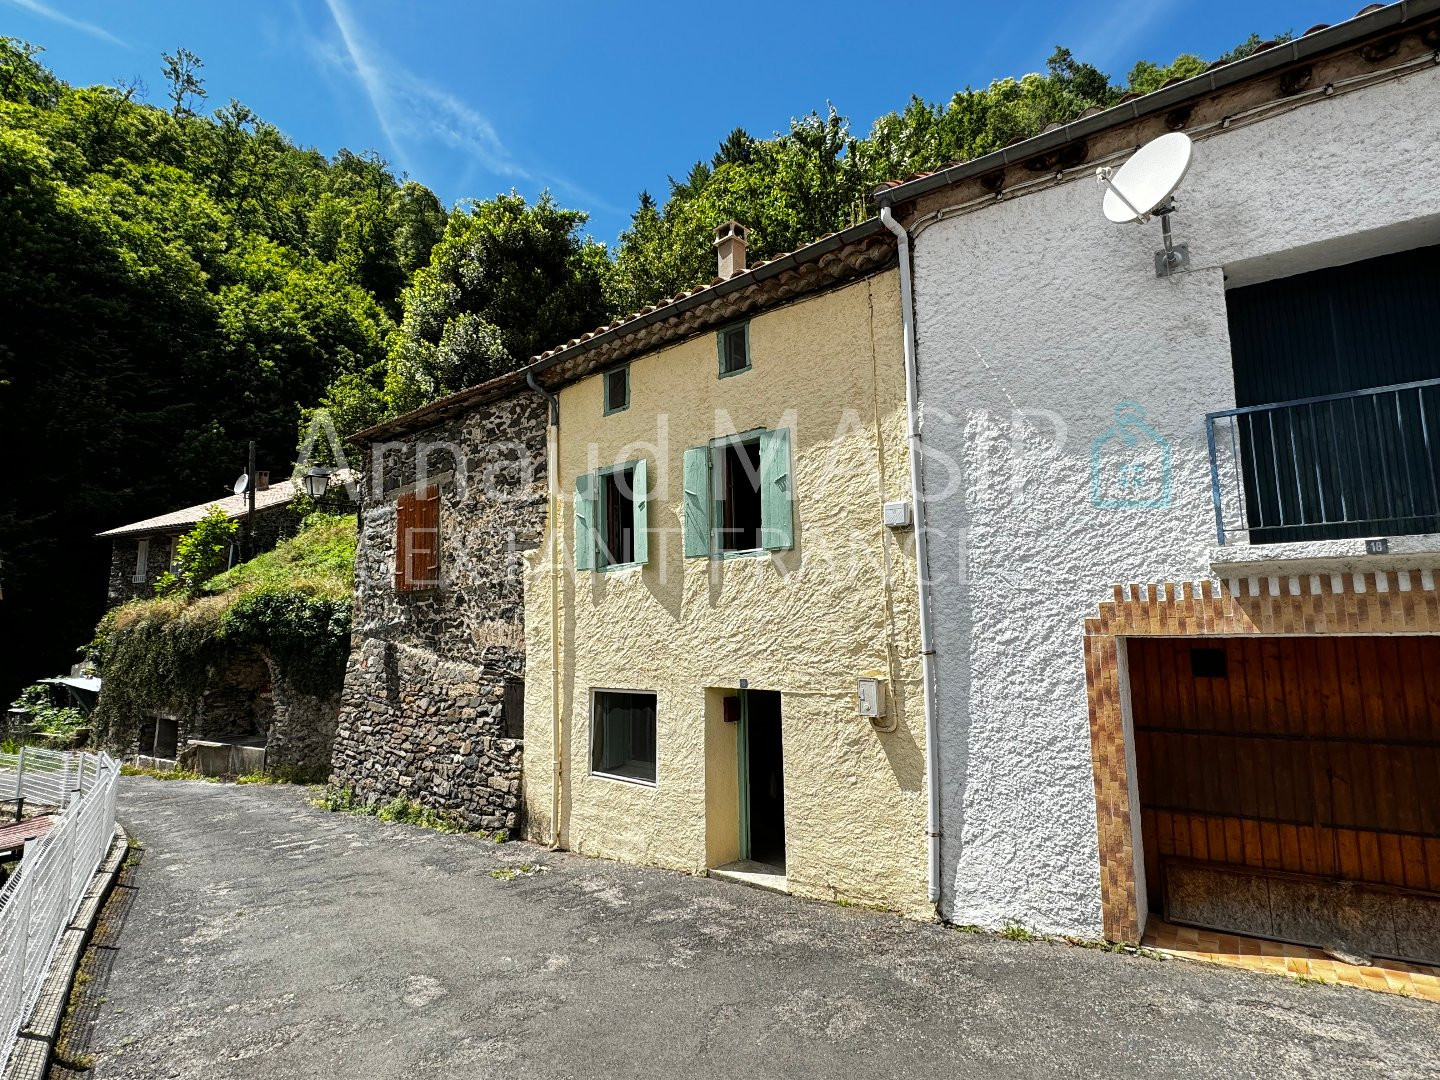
<point x="452" y="496"/>
<point x="249" y="717"/>
<point x="144" y="550"/>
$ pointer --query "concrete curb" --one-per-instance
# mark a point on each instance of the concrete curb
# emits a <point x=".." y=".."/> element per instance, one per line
<point x="30" y="1059"/>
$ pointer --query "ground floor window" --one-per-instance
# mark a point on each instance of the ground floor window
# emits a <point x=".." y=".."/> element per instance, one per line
<point x="622" y="735"/>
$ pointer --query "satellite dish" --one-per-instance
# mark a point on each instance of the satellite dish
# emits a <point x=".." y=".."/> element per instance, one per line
<point x="241" y="484"/>
<point x="1140" y="186"/>
<point x="1146" y="185"/>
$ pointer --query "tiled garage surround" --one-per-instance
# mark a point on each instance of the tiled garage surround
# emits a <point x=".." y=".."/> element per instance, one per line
<point x="1277" y="958"/>
<point x="1377" y="602"/>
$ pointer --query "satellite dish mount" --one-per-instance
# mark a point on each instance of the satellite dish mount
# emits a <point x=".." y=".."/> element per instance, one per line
<point x="1144" y="187"/>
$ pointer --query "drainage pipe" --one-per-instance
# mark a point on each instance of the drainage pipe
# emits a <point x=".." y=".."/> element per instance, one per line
<point x="922" y="555"/>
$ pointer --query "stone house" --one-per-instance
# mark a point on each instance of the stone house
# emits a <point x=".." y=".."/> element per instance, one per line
<point x="721" y="622"/>
<point x="144" y="550"/>
<point x="1186" y="670"/>
<point x="249" y="717"/>
<point x="451" y="496"/>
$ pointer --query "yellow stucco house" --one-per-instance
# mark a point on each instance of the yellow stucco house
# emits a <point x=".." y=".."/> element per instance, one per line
<point x="721" y="624"/>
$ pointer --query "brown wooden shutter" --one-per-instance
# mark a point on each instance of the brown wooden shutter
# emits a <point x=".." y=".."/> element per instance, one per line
<point x="404" y="522"/>
<point x="427" y="544"/>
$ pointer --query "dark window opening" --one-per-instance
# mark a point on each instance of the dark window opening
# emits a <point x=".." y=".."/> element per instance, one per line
<point x="165" y="742"/>
<point x="617" y="389"/>
<point x="734" y="350"/>
<point x="1208" y="664"/>
<point x="1363" y="461"/>
<point x="740" y="496"/>
<point x="622" y="740"/>
<point x="617" y="540"/>
<point x="513" y="709"/>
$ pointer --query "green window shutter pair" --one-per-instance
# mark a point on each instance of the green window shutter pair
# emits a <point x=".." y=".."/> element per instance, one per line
<point x="588" y="518"/>
<point x="777" y="496"/>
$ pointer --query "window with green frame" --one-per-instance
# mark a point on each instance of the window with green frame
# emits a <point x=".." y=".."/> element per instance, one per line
<point x="739" y="496"/>
<point x="617" y="389"/>
<point x="612" y="517"/>
<point x="733" y="343"/>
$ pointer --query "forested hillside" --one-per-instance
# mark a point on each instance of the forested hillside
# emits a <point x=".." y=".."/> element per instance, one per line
<point x="178" y="279"/>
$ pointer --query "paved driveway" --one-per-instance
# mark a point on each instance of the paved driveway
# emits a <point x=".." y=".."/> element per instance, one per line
<point x="264" y="938"/>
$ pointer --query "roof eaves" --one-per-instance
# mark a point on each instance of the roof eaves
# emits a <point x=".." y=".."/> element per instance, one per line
<point x="693" y="299"/>
<point x="1350" y="32"/>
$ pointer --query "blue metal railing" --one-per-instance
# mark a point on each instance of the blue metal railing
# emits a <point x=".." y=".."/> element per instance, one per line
<point x="1362" y="463"/>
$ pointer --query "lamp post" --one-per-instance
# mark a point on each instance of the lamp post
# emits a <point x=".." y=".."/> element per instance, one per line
<point x="316" y="481"/>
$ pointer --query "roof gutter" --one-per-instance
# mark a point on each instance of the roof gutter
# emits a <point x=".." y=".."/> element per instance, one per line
<point x="1272" y="59"/>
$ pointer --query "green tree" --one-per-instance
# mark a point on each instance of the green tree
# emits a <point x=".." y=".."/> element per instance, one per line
<point x="164" y="303"/>
<point x="200" y="555"/>
<point x="507" y="280"/>
<point x="182" y="74"/>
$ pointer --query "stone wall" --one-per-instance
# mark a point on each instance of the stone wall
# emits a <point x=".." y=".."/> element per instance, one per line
<point x="422" y="713"/>
<point x="123" y="554"/>
<point x="245" y="702"/>
<point x="302" y="731"/>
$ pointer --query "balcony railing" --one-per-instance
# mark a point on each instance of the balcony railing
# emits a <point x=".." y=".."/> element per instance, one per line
<point x="1343" y="465"/>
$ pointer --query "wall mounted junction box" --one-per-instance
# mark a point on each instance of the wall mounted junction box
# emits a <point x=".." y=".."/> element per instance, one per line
<point x="897" y="514"/>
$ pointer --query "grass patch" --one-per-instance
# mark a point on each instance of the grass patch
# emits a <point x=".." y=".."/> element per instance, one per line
<point x="283" y="774"/>
<point x="165" y="774"/>
<point x="318" y="561"/>
<point x="1014" y="930"/>
<point x="863" y="905"/>
<point x="510" y="873"/>
<point x="399" y="811"/>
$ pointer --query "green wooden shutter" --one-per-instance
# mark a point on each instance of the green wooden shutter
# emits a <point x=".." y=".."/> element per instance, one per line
<point x="586" y="517"/>
<point x="697" y="502"/>
<point x="640" y="489"/>
<point x="777" y="497"/>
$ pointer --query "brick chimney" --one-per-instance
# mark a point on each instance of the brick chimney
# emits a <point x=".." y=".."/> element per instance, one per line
<point x="262" y="480"/>
<point x="730" y="241"/>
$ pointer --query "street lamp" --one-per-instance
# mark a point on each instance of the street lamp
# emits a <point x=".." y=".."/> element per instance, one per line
<point x="316" y="481"/>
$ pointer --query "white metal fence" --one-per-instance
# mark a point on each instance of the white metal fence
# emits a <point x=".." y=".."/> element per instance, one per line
<point x="42" y="895"/>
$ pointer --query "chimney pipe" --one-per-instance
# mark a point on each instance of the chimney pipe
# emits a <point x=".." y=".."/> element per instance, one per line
<point x="730" y="242"/>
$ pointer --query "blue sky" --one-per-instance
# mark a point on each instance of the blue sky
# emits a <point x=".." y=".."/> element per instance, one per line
<point x="597" y="101"/>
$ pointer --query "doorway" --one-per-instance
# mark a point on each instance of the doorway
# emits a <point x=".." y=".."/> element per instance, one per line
<point x="762" y="779"/>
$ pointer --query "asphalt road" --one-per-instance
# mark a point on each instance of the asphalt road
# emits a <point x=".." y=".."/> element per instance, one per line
<point x="260" y="937"/>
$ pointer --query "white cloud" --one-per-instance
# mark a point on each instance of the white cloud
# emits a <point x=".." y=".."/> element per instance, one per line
<point x="412" y="111"/>
<point x="47" y="12"/>
<point x="1111" y="39"/>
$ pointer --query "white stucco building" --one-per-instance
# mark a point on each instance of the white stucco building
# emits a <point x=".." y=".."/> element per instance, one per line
<point x="1245" y="723"/>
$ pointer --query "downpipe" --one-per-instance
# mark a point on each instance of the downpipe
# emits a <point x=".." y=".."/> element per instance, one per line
<point x="922" y="556"/>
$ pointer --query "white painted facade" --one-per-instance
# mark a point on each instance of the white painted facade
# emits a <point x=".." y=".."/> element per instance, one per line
<point x="1035" y="318"/>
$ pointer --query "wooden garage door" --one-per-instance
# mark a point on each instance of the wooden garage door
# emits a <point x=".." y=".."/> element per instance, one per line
<point x="1314" y="756"/>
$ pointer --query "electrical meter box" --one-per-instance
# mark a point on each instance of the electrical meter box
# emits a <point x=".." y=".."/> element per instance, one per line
<point x="871" y="693"/>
